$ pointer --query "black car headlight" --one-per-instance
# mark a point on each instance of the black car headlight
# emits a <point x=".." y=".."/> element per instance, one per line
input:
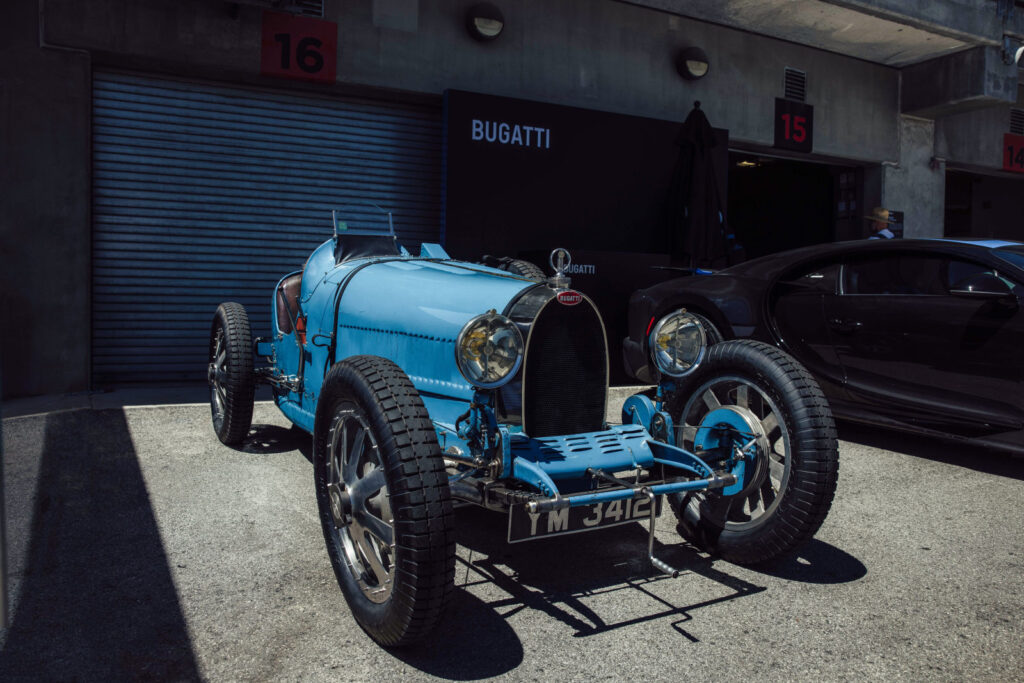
<point x="489" y="350"/>
<point x="678" y="343"/>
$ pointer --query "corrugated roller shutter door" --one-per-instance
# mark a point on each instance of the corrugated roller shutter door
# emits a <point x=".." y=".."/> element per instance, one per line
<point x="204" y="194"/>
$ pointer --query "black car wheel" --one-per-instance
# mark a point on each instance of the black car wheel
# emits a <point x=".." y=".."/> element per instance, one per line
<point x="230" y="373"/>
<point x="712" y="333"/>
<point x="789" y="490"/>
<point x="383" y="497"/>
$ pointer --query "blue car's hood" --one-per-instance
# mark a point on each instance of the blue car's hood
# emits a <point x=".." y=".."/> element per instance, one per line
<point x="425" y="298"/>
<point x="405" y="308"/>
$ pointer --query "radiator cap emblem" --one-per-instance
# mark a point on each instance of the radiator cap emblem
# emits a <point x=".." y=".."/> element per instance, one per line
<point x="560" y="261"/>
<point x="569" y="297"/>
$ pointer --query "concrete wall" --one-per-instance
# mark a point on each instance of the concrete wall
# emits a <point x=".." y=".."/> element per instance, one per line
<point x="44" y="210"/>
<point x="597" y="54"/>
<point x="976" y="138"/>
<point x="973" y="79"/>
<point x="916" y="185"/>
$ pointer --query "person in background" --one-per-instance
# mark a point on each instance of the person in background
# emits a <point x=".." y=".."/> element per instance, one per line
<point x="880" y="224"/>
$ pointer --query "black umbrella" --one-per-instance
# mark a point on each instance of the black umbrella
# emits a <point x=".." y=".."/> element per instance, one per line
<point x="697" y="230"/>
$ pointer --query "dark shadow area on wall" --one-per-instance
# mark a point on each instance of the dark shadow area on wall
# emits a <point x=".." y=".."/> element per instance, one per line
<point x="984" y="206"/>
<point x="779" y="204"/>
<point x="97" y="601"/>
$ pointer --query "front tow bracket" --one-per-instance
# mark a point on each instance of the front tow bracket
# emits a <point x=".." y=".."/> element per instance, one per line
<point x="660" y="565"/>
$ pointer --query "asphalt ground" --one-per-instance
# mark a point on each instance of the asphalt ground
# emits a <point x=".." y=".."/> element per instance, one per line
<point x="139" y="547"/>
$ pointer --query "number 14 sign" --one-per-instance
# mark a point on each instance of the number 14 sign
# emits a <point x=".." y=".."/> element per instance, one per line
<point x="794" y="125"/>
<point x="299" y="47"/>
<point x="1013" y="152"/>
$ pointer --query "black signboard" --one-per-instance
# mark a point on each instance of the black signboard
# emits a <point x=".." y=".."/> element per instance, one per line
<point x="522" y="175"/>
<point x="521" y="178"/>
<point x="794" y="125"/>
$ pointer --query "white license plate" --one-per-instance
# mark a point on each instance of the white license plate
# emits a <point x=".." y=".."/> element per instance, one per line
<point x="527" y="526"/>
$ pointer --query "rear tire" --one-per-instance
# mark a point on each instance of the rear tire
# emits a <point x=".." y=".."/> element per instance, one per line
<point x="230" y="373"/>
<point x="790" y="491"/>
<point x="383" y="498"/>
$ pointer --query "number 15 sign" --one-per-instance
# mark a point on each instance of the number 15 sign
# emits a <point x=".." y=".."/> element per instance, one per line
<point x="794" y="125"/>
<point x="299" y="47"/>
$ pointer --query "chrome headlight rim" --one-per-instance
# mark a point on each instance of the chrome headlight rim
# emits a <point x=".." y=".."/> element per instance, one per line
<point x="496" y="323"/>
<point x="661" y="360"/>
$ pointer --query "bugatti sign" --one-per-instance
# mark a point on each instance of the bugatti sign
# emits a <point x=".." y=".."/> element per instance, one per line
<point x="511" y="134"/>
<point x="570" y="297"/>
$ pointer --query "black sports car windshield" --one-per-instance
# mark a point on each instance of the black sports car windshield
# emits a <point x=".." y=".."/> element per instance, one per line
<point x="1014" y="255"/>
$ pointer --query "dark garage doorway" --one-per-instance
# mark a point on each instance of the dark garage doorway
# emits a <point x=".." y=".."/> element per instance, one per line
<point x="777" y="204"/>
<point x="984" y="205"/>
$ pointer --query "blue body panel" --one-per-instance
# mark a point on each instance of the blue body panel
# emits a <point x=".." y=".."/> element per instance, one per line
<point x="410" y="310"/>
<point x="390" y="307"/>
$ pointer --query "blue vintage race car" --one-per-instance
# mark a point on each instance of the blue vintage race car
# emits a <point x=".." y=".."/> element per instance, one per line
<point x="424" y="380"/>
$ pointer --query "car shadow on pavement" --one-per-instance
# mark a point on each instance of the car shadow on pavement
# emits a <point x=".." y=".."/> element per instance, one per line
<point x="961" y="454"/>
<point x="264" y="439"/>
<point x="564" y="577"/>
<point x="815" y="562"/>
<point x="97" y="600"/>
<point x="473" y="643"/>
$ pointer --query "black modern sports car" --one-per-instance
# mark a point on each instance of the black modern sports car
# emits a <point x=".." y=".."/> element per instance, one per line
<point x="920" y="335"/>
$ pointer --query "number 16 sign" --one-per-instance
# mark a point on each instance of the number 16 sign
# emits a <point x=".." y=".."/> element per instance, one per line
<point x="299" y="47"/>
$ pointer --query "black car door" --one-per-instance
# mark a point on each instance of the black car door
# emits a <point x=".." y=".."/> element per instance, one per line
<point x="797" y="306"/>
<point x="915" y="350"/>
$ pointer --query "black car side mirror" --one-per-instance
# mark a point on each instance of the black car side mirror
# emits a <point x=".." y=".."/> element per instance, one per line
<point x="985" y="286"/>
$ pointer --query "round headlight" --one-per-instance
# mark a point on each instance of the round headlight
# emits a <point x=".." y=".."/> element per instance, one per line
<point x="489" y="350"/>
<point x="678" y="344"/>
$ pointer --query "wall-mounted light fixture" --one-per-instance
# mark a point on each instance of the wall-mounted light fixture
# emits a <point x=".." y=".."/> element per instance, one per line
<point x="484" y="21"/>
<point x="692" y="63"/>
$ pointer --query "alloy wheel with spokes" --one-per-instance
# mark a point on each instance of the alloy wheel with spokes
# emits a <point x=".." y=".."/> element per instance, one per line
<point x="217" y="376"/>
<point x="748" y="391"/>
<point x="383" y="497"/>
<point x="229" y="372"/>
<point x="757" y="418"/>
<point x="359" y="503"/>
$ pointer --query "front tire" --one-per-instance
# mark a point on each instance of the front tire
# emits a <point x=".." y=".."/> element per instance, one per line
<point x="789" y="491"/>
<point x="230" y="373"/>
<point x="383" y="498"/>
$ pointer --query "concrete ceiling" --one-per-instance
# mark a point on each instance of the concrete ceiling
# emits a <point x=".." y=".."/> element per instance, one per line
<point x="872" y="31"/>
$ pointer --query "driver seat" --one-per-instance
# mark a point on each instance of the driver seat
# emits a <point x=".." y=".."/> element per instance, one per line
<point x="288" y="303"/>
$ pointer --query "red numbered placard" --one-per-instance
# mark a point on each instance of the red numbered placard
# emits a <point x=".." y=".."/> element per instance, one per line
<point x="1013" y="152"/>
<point x="299" y="47"/>
<point x="794" y="125"/>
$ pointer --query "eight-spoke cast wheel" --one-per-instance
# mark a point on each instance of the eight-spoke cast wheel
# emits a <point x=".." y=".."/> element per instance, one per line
<point x="230" y="373"/>
<point x="360" y="512"/>
<point x="384" y="501"/>
<point x="747" y="391"/>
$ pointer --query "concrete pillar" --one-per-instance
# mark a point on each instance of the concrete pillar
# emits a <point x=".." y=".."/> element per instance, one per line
<point x="45" y="238"/>
<point x="916" y="184"/>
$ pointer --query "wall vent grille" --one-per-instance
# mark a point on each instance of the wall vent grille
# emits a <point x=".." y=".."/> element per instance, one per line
<point x="796" y="84"/>
<point x="310" y="8"/>
<point x="1017" y="121"/>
